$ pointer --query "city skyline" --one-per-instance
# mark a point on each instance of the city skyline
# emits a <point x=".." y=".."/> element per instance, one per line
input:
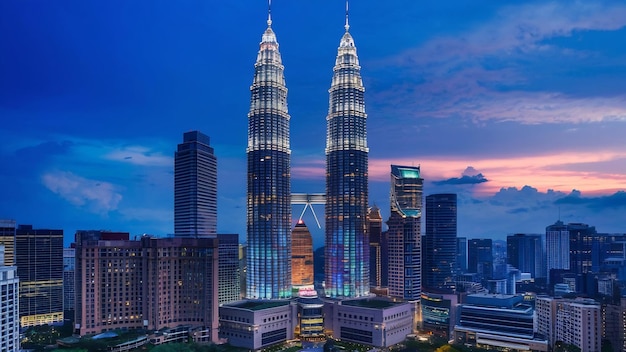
<point x="503" y="103"/>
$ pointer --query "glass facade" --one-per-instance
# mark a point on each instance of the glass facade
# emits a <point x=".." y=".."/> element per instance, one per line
<point x="404" y="234"/>
<point x="39" y="261"/>
<point x="195" y="187"/>
<point x="269" y="189"/>
<point x="440" y="241"/>
<point x="347" y="240"/>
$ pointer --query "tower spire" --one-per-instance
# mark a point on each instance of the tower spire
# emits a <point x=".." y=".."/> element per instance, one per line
<point x="347" y="26"/>
<point x="269" y="13"/>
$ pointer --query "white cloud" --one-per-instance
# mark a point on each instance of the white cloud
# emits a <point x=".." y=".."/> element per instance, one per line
<point x="97" y="196"/>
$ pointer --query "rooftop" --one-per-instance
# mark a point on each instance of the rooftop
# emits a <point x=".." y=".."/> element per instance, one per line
<point x="376" y="303"/>
<point x="259" y="305"/>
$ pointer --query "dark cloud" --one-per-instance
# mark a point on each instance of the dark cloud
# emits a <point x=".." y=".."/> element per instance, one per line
<point x="613" y="201"/>
<point x="463" y="180"/>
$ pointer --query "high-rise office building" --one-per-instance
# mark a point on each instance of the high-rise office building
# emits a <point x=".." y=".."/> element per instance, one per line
<point x="301" y="255"/>
<point x="440" y="241"/>
<point x="347" y="242"/>
<point x="557" y="247"/>
<point x="269" y="188"/>
<point x="379" y="254"/>
<point x="480" y="257"/>
<point x="405" y="231"/>
<point x="461" y="254"/>
<point x="39" y="261"/>
<point x="7" y="239"/>
<point x="151" y="283"/>
<point x="229" y="274"/>
<point x="195" y="187"/>
<point x="525" y="252"/>
<point x="69" y="285"/>
<point x="9" y="306"/>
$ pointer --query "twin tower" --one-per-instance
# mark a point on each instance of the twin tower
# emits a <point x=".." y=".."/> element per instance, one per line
<point x="269" y="189"/>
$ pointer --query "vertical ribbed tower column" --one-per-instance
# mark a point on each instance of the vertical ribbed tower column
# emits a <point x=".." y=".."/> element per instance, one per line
<point x="347" y="242"/>
<point x="269" y="190"/>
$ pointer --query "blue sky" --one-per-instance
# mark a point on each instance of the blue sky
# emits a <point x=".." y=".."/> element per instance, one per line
<point x="519" y="107"/>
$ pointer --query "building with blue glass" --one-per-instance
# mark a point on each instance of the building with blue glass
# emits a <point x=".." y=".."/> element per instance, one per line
<point x="195" y="187"/>
<point x="347" y="241"/>
<point x="269" y="189"/>
<point x="440" y="243"/>
<point x="404" y="233"/>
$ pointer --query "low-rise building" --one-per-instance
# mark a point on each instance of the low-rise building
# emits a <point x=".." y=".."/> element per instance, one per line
<point x="498" y="321"/>
<point x="256" y="324"/>
<point x="376" y="321"/>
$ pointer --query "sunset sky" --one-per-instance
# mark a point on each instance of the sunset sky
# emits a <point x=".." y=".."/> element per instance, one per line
<point x="519" y="107"/>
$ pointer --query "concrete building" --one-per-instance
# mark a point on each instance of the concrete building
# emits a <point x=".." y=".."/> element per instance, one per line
<point x="438" y="313"/>
<point x="377" y="322"/>
<point x="256" y="324"/>
<point x="571" y="321"/>
<point x="149" y="283"/>
<point x="379" y="249"/>
<point x="7" y="239"/>
<point x="498" y="322"/>
<point x="229" y="271"/>
<point x="9" y="306"/>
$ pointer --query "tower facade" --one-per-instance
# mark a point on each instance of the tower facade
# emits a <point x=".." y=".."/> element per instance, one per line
<point x="301" y="255"/>
<point x="379" y="257"/>
<point x="480" y="257"/>
<point x="440" y="247"/>
<point x="269" y="188"/>
<point x="195" y="187"/>
<point x="39" y="261"/>
<point x="229" y="272"/>
<point x="347" y="242"/>
<point x="525" y="252"/>
<point x="404" y="234"/>
<point x="7" y="239"/>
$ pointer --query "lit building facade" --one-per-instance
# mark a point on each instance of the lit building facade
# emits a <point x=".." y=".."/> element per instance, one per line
<point x="404" y="233"/>
<point x="301" y="255"/>
<point x="438" y="313"/>
<point x="69" y="285"/>
<point x="149" y="283"/>
<point x="503" y="322"/>
<point x="9" y="305"/>
<point x="39" y="262"/>
<point x="557" y="247"/>
<point x="7" y="239"/>
<point x="440" y="241"/>
<point x="229" y="271"/>
<point x="379" y="254"/>
<point x="346" y="238"/>
<point x="377" y="322"/>
<point x="256" y="324"/>
<point x="579" y="323"/>
<point x="269" y="188"/>
<point x="195" y="187"/>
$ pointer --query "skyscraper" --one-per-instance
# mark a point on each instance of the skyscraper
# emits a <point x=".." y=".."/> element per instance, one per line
<point x="461" y="254"/>
<point x="405" y="232"/>
<point x="195" y="187"/>
<point x="379" y="258"/>
<point x="347" y="242"/>
<point x="301" y="255"/>
<point x="39" y="261"/>
<point x="480" y="257"/>
<point x="525" y="252"/>
<point x="557" y="247"/>
<point x="440" y="241"/>
<point x="69" y="284"/>
<point x="269" y="188"/>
